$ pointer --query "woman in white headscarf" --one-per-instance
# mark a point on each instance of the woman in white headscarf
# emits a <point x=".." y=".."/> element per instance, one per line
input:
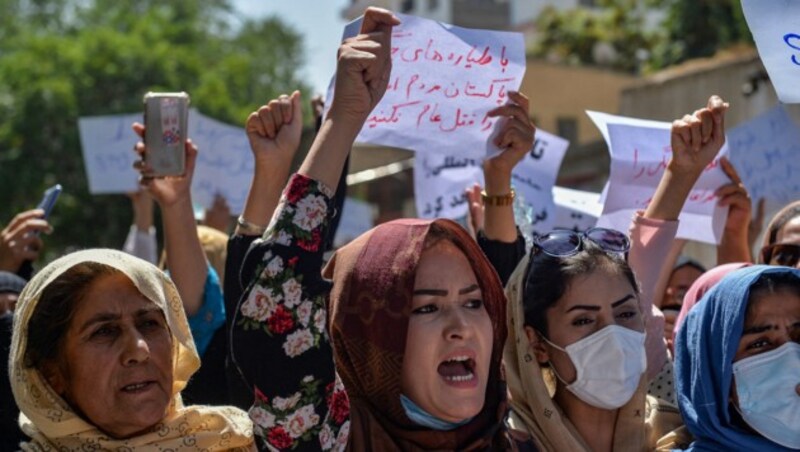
<point x="100" y="352"/>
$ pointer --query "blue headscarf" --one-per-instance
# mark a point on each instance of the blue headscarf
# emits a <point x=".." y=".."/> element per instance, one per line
<point x="704" y="352"/>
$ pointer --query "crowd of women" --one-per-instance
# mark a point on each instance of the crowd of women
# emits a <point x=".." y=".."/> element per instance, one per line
<point x="417" y="335"/>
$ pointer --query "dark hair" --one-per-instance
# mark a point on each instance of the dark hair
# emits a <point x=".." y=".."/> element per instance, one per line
<point x="548" y="278"/>
<point x="770" y="283"/>
<point x="779" y="222"/>
<point x="53" y="314"/>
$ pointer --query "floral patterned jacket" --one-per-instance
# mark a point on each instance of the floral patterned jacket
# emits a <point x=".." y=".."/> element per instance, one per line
<point x="279" y="342"/>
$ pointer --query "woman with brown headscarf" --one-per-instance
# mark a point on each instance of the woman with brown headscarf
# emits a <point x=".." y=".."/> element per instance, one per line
<point x="416" y="323"/>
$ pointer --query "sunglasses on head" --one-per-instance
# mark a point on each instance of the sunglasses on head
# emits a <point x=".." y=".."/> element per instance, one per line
<point x="783" y="254"/>
<point x="564" y="243"/>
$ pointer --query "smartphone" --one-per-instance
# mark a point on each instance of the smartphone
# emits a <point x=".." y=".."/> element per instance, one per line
<point x="49" y="200"/>
<point x="165" y="119"/>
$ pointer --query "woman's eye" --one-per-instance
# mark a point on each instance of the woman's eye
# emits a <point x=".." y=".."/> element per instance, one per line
<point x="104" y="332"/>
<point x="581" y="321"/>
<point x="627" y="315"/>
<point x="761" y="343"/>
<point x="151" y="324"/>
<point x="427" y="309"/>
<point x="474" y="304"/>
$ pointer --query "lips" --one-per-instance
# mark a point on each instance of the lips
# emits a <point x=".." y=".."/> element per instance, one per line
<point x="459" y="369"/>
<point x="138" y="387"/>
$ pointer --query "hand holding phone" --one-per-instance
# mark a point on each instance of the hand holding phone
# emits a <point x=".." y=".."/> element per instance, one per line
<point x="166" y="120"/>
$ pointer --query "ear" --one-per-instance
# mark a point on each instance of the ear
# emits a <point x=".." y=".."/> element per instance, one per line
<point x="537" y="345"/>
<point x="55" y="377"/>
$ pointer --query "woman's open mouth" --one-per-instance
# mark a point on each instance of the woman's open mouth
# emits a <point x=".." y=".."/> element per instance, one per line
<point x="459" y="371"/>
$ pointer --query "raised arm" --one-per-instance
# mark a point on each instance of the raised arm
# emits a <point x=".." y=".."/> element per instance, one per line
<point x="515" y="139"/>
<point x="362" y="74"/>
<point x="274" y="134"/>
<point x="696" y="139"/>
<point x="185" y="257"/>
<point x="735" y="243"/>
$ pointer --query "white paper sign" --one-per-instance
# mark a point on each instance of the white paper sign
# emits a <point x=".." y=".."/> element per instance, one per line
<point x="776" y="30"/>
<point x="576" y="209"/>
<point x="444" y="80"/>
<point x="224" y="163"/>
<point x="107" y="144"/>
<point x="639" y="157"/>
<point x="766" y="154"/>
<point x="534" y="177"/>
<point x="356" y="219"/>
<point x="441" y="180"/>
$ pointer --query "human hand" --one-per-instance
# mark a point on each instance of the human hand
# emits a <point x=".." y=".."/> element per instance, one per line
<point x="735" y="196"/>
<point x="218" y="216"/>
<point x="274" y="130"/>
<point x="169" y="190"/>
<point x="476" y="211"/>
<point x="756" y="223"/>
<point x="20" y="241"/>
<point x="515" y="137"/>
<point x="697" y="138"/>
<point x="363" y="68"/>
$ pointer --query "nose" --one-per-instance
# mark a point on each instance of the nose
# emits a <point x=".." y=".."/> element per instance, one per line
<point x="136" y="350"/>
<point x="457" y="326"/>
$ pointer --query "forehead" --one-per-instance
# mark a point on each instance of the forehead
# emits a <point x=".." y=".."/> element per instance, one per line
<point x="684" y="276"/>
<point x="113" y="294"/>
<point x="443" y="263"/>
<point x="782" y="304"/>
<point x="790" y="232"/>
<point x="602" y="286"/>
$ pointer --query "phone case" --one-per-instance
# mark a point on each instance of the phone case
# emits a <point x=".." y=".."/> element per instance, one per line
<point x="165" y="120"/>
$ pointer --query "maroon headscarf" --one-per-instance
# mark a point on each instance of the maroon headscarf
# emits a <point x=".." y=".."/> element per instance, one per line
<point x="373" y="284"/>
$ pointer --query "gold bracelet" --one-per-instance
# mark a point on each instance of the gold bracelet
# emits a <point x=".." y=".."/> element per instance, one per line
<point x="248" y="228"/>
<point x="498" y="200"/>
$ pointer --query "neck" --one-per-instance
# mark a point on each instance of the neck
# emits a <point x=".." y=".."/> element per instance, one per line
<point x="595" y="425"/>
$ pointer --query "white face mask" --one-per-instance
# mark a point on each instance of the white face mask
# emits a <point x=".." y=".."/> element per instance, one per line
<point x="766" y="385"/>
<point x="609" y="365"/>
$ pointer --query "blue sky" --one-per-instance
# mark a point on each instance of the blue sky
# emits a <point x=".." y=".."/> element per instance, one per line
<point x="319" y="21"/>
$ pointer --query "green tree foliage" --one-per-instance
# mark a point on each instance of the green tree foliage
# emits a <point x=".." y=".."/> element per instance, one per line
<point x="626" y="35"/>
<point x="62" y="59"/>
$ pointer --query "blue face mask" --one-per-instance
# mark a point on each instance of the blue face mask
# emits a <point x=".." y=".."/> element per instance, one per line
<point x="423" y="418"/>
<point x="766" y="386"/>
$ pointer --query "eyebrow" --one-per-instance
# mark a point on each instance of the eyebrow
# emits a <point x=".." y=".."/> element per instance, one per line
<point x="597" y="308"/>
<point x="110" y="316"/>
<point x="443" y="293"/>
<point x="757" y="329"/>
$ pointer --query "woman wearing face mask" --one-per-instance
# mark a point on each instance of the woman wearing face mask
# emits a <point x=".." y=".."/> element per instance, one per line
<point x="737" y="363"/>
<point x="576" y="359"/>
<point x="411" y="313"/>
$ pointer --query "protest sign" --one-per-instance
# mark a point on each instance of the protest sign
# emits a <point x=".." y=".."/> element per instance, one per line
<point x="639" y="156"/>
<point x="576" y="209"/>
<point x="224" y="163"/>
<point x="776" y="31"/>
<point x="766" y="154"/>
<point x="440" y="181"/>
<point x="444" y="80"/>
<point x="356" y="219"/>
<point x="107" y="144"/>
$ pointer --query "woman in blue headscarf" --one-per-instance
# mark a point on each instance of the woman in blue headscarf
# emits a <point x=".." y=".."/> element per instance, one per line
<point x="737" y="363"/>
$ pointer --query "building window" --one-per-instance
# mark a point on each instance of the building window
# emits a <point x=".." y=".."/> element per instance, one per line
<point x="568" y="128"/>
<point x="407" y="6"/>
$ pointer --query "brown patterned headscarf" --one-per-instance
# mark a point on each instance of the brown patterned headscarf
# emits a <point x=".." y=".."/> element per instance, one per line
<point x="373" y="283"/>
